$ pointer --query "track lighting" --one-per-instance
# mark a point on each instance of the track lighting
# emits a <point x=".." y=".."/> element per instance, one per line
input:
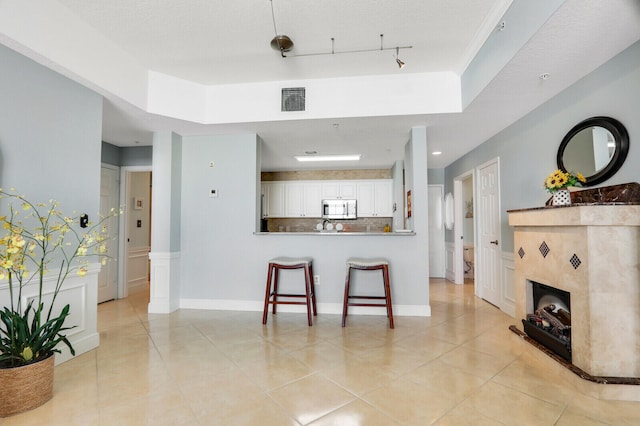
<point x="284" y="44"/>
<point x="398" y="61"/>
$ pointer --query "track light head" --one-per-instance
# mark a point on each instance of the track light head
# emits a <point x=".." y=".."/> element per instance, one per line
<point x="398" y="61"/>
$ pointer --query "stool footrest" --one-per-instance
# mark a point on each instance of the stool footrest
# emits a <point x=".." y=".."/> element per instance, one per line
<point x="271" y="302"/>
<point x="368" y="297"/>
<point x="368" y="304"/>
<point x="288" y="295"/>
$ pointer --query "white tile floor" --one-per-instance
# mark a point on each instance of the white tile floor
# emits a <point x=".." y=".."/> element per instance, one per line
<point x="460" y="366"/>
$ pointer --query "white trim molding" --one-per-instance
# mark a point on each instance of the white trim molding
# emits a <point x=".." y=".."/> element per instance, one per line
<point x="165" y="282"/>
<point x="81" y="293"/>
<point x="507" y="282"/>
<point x="450" y="261"/>
<point x="323" y="308"/>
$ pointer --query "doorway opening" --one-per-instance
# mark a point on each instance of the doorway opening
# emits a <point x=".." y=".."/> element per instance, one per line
<point x="464" y="228"/>
<point x="135" y="230"/>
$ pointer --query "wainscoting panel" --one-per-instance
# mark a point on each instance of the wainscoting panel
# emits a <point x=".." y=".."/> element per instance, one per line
<point x="81" y="293"/>
<point x="507" y="281"/>
<point x="450" y="258"/>
<point x="137" y="269"/>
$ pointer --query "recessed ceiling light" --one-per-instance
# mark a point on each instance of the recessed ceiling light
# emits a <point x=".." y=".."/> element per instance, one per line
<point x="544" y="76"/>
<point x="311" y="152"/>
<point x="355" y="157"/>
<point x="436" y="153"/>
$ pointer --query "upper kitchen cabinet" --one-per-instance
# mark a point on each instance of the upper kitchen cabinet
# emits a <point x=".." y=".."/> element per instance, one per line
<point x="338" y="190"/>
<point x="273" y="199"/>
<point x="375" y="198"/>
<point x="302" y="199"/>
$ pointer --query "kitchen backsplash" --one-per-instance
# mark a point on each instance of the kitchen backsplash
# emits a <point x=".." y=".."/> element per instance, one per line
<point x="365" y="224"/>
<point x="327" y="175"/>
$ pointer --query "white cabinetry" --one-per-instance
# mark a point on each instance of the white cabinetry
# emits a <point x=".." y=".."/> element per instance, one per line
<point x="375" y="198"/>
<point x="332" y="190"/>
<point x="302" y="199"/>
<point x="273" y="202"/>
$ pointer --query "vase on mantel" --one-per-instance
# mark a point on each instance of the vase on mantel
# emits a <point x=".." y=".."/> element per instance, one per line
<point x="562" y="197"/>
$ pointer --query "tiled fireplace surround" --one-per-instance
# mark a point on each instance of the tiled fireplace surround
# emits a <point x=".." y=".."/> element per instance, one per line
<point x="593" y="252"/>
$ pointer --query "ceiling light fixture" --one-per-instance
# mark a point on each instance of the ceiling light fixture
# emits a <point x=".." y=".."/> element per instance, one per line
<point x="348" y="157"/>
<point x="280" y="42"/>
<point x="544" y="76"/>
<point x="436" y="153"/>
<point x="284" y="44"/>
<point x="398" y="61"/>
<point x="334" y="52"/>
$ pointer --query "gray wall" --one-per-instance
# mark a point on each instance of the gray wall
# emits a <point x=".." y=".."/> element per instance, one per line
<point x="436" y="176"/>
<point x="222" y="259"/>
<point x="50" y="135"/>
<point x="127" y="156"/>
<point x="528" y="148"/>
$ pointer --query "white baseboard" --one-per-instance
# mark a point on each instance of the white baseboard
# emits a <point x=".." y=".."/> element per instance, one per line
<point x="82" y="345"/>
<point x="323" y="308"/>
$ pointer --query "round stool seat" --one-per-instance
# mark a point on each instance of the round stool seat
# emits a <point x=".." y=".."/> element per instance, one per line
<point x="291" y="261"/>
<point x="366" y="263"/>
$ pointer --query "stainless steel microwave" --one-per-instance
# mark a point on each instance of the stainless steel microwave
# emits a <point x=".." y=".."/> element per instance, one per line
<point x="339" y="209"/>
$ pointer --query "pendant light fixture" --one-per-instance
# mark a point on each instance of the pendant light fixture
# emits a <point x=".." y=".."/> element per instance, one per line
<point x="280" y="42"/>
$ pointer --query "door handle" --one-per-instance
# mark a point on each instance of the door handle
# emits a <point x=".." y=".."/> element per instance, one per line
<point x="494" y="242"/>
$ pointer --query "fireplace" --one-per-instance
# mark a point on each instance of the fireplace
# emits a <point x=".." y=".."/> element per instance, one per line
<point x="548" y="319"/>
<point x="591" y="252"/>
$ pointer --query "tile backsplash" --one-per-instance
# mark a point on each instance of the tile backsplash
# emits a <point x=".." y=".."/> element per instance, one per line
<point x="364" y="224"/>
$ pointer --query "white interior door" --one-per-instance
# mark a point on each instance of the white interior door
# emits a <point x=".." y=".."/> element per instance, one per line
<point x="109" y="196"/>
<point x="436" y="232"/>
<point x="488" y="255"/>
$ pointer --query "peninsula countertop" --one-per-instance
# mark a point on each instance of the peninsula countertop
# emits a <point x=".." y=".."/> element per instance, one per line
<point x="340" y="233"/>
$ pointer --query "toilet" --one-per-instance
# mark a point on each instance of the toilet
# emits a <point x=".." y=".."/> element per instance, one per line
<point x="468" y="256"/>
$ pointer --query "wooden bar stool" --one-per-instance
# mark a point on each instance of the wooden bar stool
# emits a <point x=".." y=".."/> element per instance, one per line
<point x="367" y="265"/>
<point x="275" y="265"/>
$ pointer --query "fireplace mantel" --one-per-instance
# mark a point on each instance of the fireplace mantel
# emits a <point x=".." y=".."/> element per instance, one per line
<point x="593" y="252"/>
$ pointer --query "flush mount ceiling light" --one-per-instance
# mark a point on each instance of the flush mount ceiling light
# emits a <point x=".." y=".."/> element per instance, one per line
<point x="349" y="157"/>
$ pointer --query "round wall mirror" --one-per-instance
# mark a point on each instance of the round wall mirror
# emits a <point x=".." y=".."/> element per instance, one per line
<point x="595" y="147"/>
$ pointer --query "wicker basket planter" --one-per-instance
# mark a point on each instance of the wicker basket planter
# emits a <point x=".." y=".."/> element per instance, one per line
<point x="27" y="387"/>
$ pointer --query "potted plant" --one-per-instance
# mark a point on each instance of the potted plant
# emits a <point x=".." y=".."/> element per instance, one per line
<point x="558" y="183"/>
<point x="39" y="249"/>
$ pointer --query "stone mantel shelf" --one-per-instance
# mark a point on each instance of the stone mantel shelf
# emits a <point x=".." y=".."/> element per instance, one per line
<point x="610" y="214"/>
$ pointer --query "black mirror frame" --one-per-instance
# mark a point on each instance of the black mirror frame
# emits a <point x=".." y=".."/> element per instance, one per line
<point x="621" y="137"/>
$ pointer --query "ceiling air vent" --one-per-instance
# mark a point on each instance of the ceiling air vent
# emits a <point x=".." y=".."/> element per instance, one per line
<point x="293" y="99"/>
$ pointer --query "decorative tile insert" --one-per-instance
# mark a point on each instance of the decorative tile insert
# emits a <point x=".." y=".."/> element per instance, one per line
<point x="521" y="253"/>
<point x="575" y="261"/>
<point x="544" y="249"/>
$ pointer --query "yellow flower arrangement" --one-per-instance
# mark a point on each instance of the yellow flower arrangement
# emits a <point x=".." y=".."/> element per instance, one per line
<point x="38" y="238"/>
<point x="562" y="180"/>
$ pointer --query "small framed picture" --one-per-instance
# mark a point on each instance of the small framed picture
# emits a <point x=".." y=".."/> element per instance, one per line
<point x="408" y="203"/>
<point x="138" y="203"/>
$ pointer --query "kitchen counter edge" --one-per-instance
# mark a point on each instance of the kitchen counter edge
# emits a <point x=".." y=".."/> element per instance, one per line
<point x="367" y="234"/>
